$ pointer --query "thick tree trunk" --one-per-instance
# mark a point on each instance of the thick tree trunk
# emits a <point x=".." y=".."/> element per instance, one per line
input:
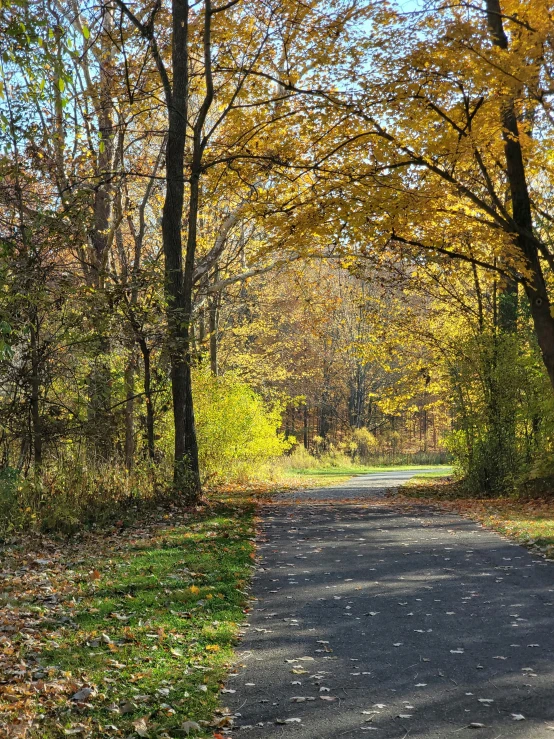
<point x="535" y="285"/>
<point x="190" y="444"/>
<point x="186" y="478"/>
<point x="536" y="292"/>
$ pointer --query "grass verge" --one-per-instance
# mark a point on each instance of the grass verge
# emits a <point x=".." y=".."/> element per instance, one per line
<point x="530" y="521"/>
<point x="128" y="632"/>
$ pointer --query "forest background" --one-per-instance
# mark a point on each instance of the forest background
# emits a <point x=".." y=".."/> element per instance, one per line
<point x="246" y="237"/>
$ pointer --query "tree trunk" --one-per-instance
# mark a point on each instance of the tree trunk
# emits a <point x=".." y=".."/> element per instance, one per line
<point x="186" y="477"/>
<point x="35" y="398"/>
<point x="508" y="308"/>
<point x="145" y="351"/>
<point x="99" y="413"/>
<point x="129" y="382"/>
<point x="535" y="286"/>
<point x="214" y="324"/>
<point x="543" y="322"/>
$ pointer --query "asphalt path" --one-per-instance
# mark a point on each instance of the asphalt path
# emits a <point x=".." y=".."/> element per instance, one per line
<point x="392" y="621"/>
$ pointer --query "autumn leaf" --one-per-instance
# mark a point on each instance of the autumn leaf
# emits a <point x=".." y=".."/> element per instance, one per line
<point x="141" y="727"/>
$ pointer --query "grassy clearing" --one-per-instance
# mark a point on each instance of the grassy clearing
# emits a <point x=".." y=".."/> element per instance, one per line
<point x="335" y="462"/>
<point x="125" y="633"/>
<point x="528" y="520"/>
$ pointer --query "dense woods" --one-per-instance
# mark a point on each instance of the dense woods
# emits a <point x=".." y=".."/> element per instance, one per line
<point x="233" y="230"/>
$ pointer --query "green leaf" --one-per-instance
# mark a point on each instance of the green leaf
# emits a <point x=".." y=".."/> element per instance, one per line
<point x="86" y="32"/>
<point x="61" y="84"/>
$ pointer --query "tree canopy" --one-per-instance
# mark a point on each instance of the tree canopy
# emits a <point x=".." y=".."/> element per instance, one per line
<point x="342" y="207"/>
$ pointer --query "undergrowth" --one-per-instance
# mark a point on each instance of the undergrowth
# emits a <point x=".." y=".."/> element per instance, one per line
<point x="336" y="461"/>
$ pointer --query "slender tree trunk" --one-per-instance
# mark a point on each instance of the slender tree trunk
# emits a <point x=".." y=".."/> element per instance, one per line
<point x="201" y="328"/>
<point x="214" y="325"/>
<point x="179" y="280"/>
<point x="99" y="414"/>
<point x="287" y="422"/>
<point x="35" y="397"/>
<point x="147" y="385"/>
<point x="479" y="295"/>
<point x="306" y="439"/>
<point x="508" y="308"/>
<point x="129" y="382"/>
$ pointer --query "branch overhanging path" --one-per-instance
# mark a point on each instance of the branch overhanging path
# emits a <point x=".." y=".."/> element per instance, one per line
<point x="397" y="620"/>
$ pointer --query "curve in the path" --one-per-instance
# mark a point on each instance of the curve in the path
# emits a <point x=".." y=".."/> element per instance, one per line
<point x="373" y="485"/>
<point x="398" y="623"/>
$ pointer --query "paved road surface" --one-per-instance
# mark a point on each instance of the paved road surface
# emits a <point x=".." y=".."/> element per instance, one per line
<point x="365" y="487"/>
<point x="394" y="623"/>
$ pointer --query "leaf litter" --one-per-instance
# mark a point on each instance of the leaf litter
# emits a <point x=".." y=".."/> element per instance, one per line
<point x="91" y="629"/>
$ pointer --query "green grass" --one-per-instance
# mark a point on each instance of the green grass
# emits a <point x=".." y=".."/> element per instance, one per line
<point x="149" y="624"/>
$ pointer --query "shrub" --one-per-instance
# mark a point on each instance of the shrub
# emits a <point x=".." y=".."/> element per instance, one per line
<point x="300" y="459"/>
<point x="237" y="431"/>
<point x="365" y="441"/>
<point x="72" y="492"/>
<point x="237" y="434"/>
<point x="503" y="410"/>
<point x="9" y="499"/>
